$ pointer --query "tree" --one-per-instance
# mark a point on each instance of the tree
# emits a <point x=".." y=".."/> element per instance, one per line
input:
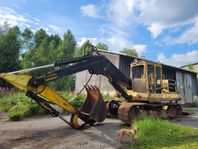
<point x="65" y="50"/>
<point x="27" y="39"/>
<point x="39" y="36"/>
<point x="130" y="52"/>
<point x="84" y="49"/>
<point x="67" y="47"/>
<point x="38" y="53"/>
<point x="190" y="67"/>
<point x="102" y="46"/>
<point x="9" y="48"/>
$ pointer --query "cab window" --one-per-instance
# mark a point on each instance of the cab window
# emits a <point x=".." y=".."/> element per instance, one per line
<point x="138" y="72"/>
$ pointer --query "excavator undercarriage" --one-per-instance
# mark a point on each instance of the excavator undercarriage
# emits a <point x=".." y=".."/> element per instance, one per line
<point x="128" y="111"/>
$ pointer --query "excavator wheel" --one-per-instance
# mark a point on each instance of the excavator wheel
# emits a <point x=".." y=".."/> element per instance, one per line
<point x="127" y="112"/>
<point x="174" y="111"/>
<point x="112" y="108"/>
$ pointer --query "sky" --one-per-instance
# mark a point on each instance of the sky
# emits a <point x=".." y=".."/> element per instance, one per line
<point x="163" y="31"/>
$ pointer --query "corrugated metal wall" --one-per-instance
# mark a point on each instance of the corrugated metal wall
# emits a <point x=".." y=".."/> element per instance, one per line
<point x="100" y="81"/>
<point x="124" y="66"/>
<point x="180" y="85"/>
<point x="168" y="73"/>
<point x="187" y="86"/>
<point x="195" y="88"/>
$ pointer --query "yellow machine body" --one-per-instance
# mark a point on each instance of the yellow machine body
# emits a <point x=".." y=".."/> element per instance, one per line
<point x="150" y="84"/>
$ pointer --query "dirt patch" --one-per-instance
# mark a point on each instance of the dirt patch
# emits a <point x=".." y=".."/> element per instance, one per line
<point x="49" y="132"/>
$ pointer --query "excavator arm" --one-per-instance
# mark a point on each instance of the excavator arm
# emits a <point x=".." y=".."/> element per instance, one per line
<point x="36" y="87"/>
<point x="95" y="63"/>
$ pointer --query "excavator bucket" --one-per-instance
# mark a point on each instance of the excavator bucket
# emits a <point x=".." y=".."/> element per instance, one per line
<point x="94" y="106"/>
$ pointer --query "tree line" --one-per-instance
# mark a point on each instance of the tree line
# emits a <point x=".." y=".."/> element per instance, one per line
<point x="20" y="49"/>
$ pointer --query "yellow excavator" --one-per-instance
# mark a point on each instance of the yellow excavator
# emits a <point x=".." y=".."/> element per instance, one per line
<point x="145" y="92"/>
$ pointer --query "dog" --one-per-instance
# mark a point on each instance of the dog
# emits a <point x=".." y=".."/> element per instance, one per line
<point x="128" y="132"/>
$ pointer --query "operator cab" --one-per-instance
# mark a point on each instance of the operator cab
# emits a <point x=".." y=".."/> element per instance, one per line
<point x="146" y="77"/>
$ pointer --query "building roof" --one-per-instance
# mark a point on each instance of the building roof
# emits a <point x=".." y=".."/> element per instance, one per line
<point x="169" y="66"/>
<point x="189" y="64"/>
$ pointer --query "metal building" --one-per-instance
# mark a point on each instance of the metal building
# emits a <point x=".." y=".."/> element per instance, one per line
<point x="186" y="80"/>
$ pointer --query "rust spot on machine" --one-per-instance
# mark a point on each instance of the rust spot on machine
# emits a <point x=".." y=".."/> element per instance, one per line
<point x="128" y="111"/>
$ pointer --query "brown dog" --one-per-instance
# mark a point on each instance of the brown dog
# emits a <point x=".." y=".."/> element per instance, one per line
<point x="127" y="132"/>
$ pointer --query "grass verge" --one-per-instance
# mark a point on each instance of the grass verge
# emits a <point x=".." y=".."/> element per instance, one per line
<point x="156" y="133"/>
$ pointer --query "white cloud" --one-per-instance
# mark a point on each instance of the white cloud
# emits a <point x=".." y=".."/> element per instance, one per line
<point x="25" y="20"/>
<point x="90" y="10"/>
<point x="159" y="15"/>
<point x="81" y="41"/>
<point x="188" y="37"/>
<point x="55" y="28"/>
<point x="179" y="59"/>
<point x="155" y="29"/>
<point x="12" y="18"/>
<point x="118" y="43"/>
<point x="120" y="12"/>
<point x="156" y="15"/>
<point x="115" y="43"/>
<point x="140" y="48"/>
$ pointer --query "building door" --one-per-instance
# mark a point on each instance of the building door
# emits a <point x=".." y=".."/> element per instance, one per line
<point x="180" y="86"/>
<point x="188" y="88"/>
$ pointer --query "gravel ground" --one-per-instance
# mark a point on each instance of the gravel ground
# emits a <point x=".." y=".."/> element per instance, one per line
<point x="47" y="132"/>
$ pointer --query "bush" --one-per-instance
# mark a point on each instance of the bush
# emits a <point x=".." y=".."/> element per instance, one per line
<point x="19" y="111"/>
<point x="77" y="101"/>
<point x="157" y="133"/>
<point x="19" y="106"/>
<point x="107" y="97"/>
<point x="64" y="84"/>
<point x="195" y="104"/>
<point x="8" y="100"/>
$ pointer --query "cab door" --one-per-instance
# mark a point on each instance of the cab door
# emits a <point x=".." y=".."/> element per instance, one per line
<point x="150" y="78"/>
<point x="158" y="79"/>
<point x="154" y="78"/>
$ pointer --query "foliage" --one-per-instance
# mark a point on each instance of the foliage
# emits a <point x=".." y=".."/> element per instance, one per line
<point x="190" y="67"/>
<point x="18" y="106"/>
<point x="195" y="104"/>
<point x="102" y="46"/>
<point x="84" y="49"/>
<point x="64" y="84"/>
<point x="106" y="97"/>
<point x="42" y="50"/>
<point x="9" y="48"/>
<point x="130" y="52"/>
<point x="46" y="49"/>
<point x="67" y="46"/>
<point x="76" y="100"/>
<point x="156" y="133"/>
<point x="18" y="111"/>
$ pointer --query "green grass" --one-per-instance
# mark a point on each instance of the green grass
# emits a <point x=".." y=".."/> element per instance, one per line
<point x="156" y="133"/>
